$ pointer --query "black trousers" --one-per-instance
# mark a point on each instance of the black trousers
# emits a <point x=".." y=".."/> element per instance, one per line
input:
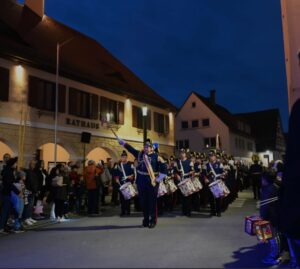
<point x="125" y="205"/>
<point x="59" y="207"/>
<point x="93" y="201"/>
<point x="196" y="201"/>
<point x="148" y="200"/>
<point x="187" y="205"/>
<point x="256" y="185"/>
<point x="215" y="204"/>
<point x="115" y="194"/>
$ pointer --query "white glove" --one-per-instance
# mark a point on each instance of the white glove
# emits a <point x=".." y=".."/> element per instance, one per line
<point x="160" y="177"/>
<point x="121" y="142"/>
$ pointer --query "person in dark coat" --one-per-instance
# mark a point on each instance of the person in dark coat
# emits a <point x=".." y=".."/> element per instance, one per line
<point x="42" y="176"/>
<point x="8" y="179"/>
<point x="61" y="184"/>
<point x="255" y="175"/>
<point x="32" y="183"/>
<point x="269" y="212"/>
<point x="289" y="216"/>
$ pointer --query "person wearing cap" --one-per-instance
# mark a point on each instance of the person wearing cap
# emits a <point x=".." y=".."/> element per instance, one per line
<point x="198" y="172"/>
<point x="150" y="171"/>
<point x="213" y="168"/>
<point x="123" y="173"/>
<point x="255" y="174"/>
<point x="185" y="170"/>
<point x="170" y="199"/>
<point x="8" y="178"/>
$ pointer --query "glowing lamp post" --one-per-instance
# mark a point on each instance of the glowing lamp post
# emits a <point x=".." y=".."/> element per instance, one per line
<point x="145" y="113"/>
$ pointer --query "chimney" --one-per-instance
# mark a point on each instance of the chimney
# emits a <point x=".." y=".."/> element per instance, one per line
<point x="212" y="97"/>
<point x="37" y="6"/>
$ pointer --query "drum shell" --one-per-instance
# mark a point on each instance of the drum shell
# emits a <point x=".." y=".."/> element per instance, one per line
<point x="187" y="187"/>
<point x="128" y="191"/>
<point x="162" y="189"/>
<point x="197" y="184"/>
<point x="171" y="187"/>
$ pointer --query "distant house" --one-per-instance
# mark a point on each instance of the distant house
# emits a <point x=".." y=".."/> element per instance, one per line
<point x="268" y="133"/>
<point x="201" y="119"/>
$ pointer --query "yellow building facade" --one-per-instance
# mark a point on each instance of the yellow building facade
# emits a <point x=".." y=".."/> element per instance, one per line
<point x="27" y="94"/>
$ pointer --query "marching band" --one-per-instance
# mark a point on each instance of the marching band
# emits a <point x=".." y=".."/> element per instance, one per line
<point x="161" y="184"/>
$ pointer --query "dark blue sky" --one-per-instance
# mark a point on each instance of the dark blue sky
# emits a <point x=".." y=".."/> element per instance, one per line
<point x="176" y="46"/>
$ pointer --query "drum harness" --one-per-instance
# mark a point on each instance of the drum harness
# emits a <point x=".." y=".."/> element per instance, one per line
<point x="187" y="175"/>
<point x="124" y="174"/>
<point x="214" y="172"/>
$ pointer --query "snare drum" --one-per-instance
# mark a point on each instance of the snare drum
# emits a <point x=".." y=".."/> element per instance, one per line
<point x="162" y="189"/>
<point x="225" y="189"/>
<point x="217" y="188"/>
<point x="128" y="191"/>
<point x="171" y="187"/>
<point x="187" y="187"/>
<point x="197" y="184"/>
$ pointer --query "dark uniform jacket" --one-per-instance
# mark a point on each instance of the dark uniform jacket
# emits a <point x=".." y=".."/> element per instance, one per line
<point x="118" y="172"/>
<point x="212" y="168"/>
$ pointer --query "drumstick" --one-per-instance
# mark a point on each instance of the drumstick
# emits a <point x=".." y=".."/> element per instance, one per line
<point x="114" y="133"/>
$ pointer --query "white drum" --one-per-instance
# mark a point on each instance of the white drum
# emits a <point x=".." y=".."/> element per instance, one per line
<point x="171" y="187"/>
<point x="187" y="187"/>
<point x="197" y="184"/>
<point x="128" y="191"/>
<point x="219" y="189"/>
<point x="135" y="188"/>
<point x="162" y="189"/>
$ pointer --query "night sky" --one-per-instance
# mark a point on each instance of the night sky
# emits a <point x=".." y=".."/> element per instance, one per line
<point x="176" y="46"/>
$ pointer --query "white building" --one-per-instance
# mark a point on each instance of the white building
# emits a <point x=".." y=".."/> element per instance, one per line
<point x="200" y="119"/>
<point x="268" y="133"/>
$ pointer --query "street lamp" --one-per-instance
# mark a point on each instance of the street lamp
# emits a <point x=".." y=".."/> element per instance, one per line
<point x="145" y="113"/>
<point x="58" y="47"/>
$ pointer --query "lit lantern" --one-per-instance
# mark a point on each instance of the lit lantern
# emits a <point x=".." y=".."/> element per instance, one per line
<point x="250" y="223"/>
<point x="263" y="231"/>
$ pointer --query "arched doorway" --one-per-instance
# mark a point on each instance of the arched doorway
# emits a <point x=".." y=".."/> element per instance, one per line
<point x="47" y="154"/>
<point x="98" y="154"/>
<point x="4" y="148"/>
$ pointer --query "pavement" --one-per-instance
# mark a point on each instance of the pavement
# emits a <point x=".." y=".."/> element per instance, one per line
<point x="110" y="241"/>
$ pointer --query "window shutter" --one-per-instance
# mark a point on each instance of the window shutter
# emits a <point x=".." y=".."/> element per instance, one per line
<point x="33" y="94"/>
<point x="120" y="113"/>
<point x="4" y="84"/>
<point x="103" y="107"/>
<point x="61" y="98"/>
<point x="156" y="123"/>
<point x="149" y="117"/>
<point x="94" y="107"/>
<point x="167" y="124"/>
<point x="134" y="116"/>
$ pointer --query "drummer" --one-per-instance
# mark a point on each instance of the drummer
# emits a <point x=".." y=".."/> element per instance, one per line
<point x="150" y="171"/>
<point x="195" y="158"/>
<point x="214" y="167"/>
<point x="123" y="173"/>
<point x="185" y="170"/>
